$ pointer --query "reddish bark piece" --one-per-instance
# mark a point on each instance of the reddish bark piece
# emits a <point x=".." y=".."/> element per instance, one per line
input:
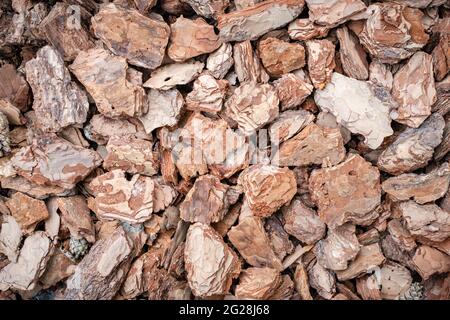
<point x="441" y="57"/>
<point x="13" y="87"/>
<point x="346" y="192"/>
<point x="19" y="183"/>
<point x="191" y="38"/>
<point x="210" y="264"/>
<point x="208" y="8"/>
<point x="320" y="62"/>
<point x="267" y="188"/>
<point x="401" y="235"/>
<point x="292" y="91"/>
<point x="140" y="39"/>
<point x="252" y="242"/>
<point x="323" y="280"/>
<point x="353" y="57"/>
<point x="395" y="280"/>
<point x="333" y="12"/>
<point x="305" y="29"/>
<point x="59" y="267"/>
<point x="247" y="64"/>
<point x="207" y="94"/>
<point x="288" y="124"/>
<point x="428" y="261"/>
<point x="246" y="24"/>
<point x="368" y="258"/>
<point x="257" y="283"/>
<point x="50" y="160"/>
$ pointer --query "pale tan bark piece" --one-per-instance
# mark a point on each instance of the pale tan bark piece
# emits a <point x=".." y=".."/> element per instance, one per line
<point x="381" y="75"/>
<point x="395" y="280"/>
<point x="322" y="280"/>
<point x="320" y="62"/>
<point x="292" y="90"/>
<point x="353" y="57"/>
<point x="19" y="183"/>
<point x="288" y="124"/>
<point x="10" y="238"/>
<point x="207" y="94"/>
<point x="368" y="287"/>
<point x="401" y="235"/>
<point x="170" y="75"/>
<point x="301" y="282"/>
<point x="333" y="12"/>
<point x="247" y="64"/>
<point x="208" y="8"/>
<point x="428" y="261"/>
<point x="441" y="57"/>
<point x="305" y="29"/>
<point x="257" y="283"/>
<point x="368" y="258"/>
<point x="220" y="61"/>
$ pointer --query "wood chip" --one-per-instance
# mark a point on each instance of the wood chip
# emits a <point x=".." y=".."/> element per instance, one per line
<point x="257" y="283"/>
<point x="247" y="64"/>
<point x="292" y="91"/>
<point x="353" y="57"/>
<point x="334" y="12"/>
<point x="368" y="258"/>
<point x="170" y="75"/>
<point x="428" y="261"/>
<point x="320" y="62"/>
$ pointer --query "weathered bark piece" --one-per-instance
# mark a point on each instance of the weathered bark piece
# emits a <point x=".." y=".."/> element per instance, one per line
<point x="252" y="106"/>
<point x="441" y="57"/>
<point x="279" y="238"/>
<point x="191" y="38"/>
<point x="322" y="280"/>
<point x="170" y="75"/>
<point x="301" y="282"/>
<point x="305" y="29"/>
<point x="66" y="31"/>
<point x="428" y="261"/>
<point x="333" y="12"/>
<point x="207" y="94"/>
<point x="10" y="237"/>
<point x="59" y="267"/>
<point x="208" y="8"/>
<point x="144" y="6"/>
<point x="28" y="212"/>
<point x="395" y="280"/>
<point x="368" y="287"/>
<point x="132" y="155"/>
<point x="50" y="160"/>
<point x="267" y="188"/>
<point x="369" y="117"/>
<point x="30" y="265"/>
<point x="393" y="32"/>
<point x="13" y="87"/>
<point x="116" y="197"/>
<point x="367" y="259"/>
<point x="210" y="264"/>
<point x="19" y="183"/>
<point x="58" y="102"/>
<point x="246" y="24"/>
<point x="381" y="75"/>
<point x="422" y="188"/>
<point x="247" y="64"/>
<point x="320" y="62"/>
<point x="292" y="91"/>
<point x="11" y="113"/>
<point x="280" y="57"/>
<point x="104" y="77"/>
<point x="302" y="222"/>
<point x="220" y="61"/>
<point x="313" y="145"/>
<point x="428" y="221"/>
<point x="101" y="272"/>
<point x="142" y="40"/>
<point x="413" y="148"/>
<point x="346" y="192"/>
<point x="252" y="242"/>
<point x="76" y="216"/>
<point x="206" y="201"/>
<point x="401" y="235"/>
<point x="353" y="57"/>
<point x="288" y="124"/>
<point x="257" y="283"/>
<point x="338" y="248"/>
<point x="414" y="90"/>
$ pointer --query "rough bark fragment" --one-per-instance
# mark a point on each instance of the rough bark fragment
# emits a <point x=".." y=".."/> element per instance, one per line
<point x="401" y="235"/>
<point x="428" y="261"/>
<point x="59" y="267"/>
<point x="346" y="192"/>
<point x="50" y="160"/>
<point x="247" y="64"/>
<point x="367" y="259"/>
<point x="58" y="102"/>
<point x="292" y="91"/>
<point x="13" y="87"/>
<point x="441" y="57"/>
<point x="302" y="222"/>
<point x="207" y="94"/>
<point x="305" y="29"/>
<point x="368" y="287"/>
<point x="320" y="62"/>
<point x="170" y="75"/>
<point x="104" y="77"/>
<point x="279" y="238"/>
<point x="414" y="90"/>
<point x="333" y="12"/>
<point x="141" y="40"/>
<point x="257" y="283"/>
<point x="301" y="282"/>
<point x="210" y="264"/>
<point x="252" y="242"/>
<point x="381" y="75"/>
<point x="220" y="61"/>
<point x="413" y="148"/>
<point x="313" y="145"/>
<point x="267" y="188"/>
<point x="395" y="280"/>
<point x="191" y="38"/>
<point x="288" y="124"/>
<point x="247" y="24"/>
<point x="369" y="117"/>
<point x="208" y="8"/>
<point x="252" y="106"/>
<point x="422" y="188"/>
<point x="280" y="57"/>
<point x="10" y="238"/>
<point x="322" y="280"/>
<point x="101" y="272"/>
<point x="353" y="57"/>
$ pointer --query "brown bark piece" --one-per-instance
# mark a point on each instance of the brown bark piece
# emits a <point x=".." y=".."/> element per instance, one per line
<point x="10" y="237"/>
<point x="170" y="75"/>
<point x="381" y="75"/>
<point x="302" y="222"/>
<point x="252" y="242"/>
<point x="210" y="264"/>
<point x="58" y="102"/>
<point x="140" y="39"/>
<point x="13" y="87"/>
<point x="246" y="24"/>
<point x="441" y="57"/>
<point x="247" y="64"/>
<point x="104" y="77"/>
<point x="401" y="235"/>
<point x="428" y="261"/>
<point x="333" y="12"/>
<point x="367" y="259"/>
<point x="313" y="145"/>
<point x="305" y="29"/>
<point x="257" y="283"/>
<point x="207" y="94"/>
<point x="59" y="267"/>
<point x="267" y="188"/>
<point x="346" y="192"/>
<point x="353" y="57"/>
<point x="206" y="201"/>
<point x="220" y="61"/>
<point x="208" y="8"/>
<point x="19" y="183"/>
<point x="338" y="248"/>
<point x="395" y="280"/>
<point x="320" y="62"/>
<point x="280" y="57"/>
<point x="288" y="124"/>
<point x="279" y="238"/>
<point x="301" y="282"/>
<point x="50" y="160"/>
<point x="191" y="38"/>
<point x="28" y="212"/>
<point x="422" y="188"/>
<point x="292" y="91"/>
<point x="101" y="272"/>
<point x="414" y="90"/>
<point x="413" y="148"/>
<point x="322" y="280"/>
<point x="368" y="287"/>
